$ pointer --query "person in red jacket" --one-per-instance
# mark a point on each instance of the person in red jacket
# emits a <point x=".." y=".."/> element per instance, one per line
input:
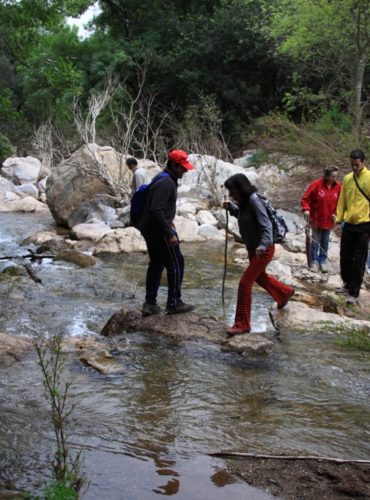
<point x="319" y="204"/>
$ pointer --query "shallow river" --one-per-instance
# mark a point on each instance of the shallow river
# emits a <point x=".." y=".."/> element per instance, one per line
<point x="147" y="430"/>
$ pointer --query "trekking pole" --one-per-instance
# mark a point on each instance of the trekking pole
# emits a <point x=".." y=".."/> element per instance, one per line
<point x="225" y="258"/>
<point x="310" y="237"/>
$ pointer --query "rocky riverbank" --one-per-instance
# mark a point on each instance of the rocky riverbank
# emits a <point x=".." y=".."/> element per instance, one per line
<point x="87" y="196"/>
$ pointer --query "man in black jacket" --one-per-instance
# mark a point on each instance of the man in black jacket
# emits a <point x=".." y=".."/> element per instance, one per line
<point x="156" y="225"/>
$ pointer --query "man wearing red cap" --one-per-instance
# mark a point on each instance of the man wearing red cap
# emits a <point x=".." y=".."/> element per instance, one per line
<point x="156" y="225"/>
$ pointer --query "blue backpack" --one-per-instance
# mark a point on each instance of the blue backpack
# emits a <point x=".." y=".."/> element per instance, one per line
<point x="138" y="200"/>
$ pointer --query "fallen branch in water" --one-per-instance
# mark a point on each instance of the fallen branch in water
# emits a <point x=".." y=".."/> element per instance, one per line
<point x="32" y="273"/>
<point x="31" y="256"/>
<point x="232" y="454"/>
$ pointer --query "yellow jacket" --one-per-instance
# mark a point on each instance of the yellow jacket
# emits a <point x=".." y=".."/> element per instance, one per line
<point x="352" y="205"/>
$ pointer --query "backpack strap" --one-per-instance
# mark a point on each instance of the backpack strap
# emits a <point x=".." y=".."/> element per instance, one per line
<point x="360" y="189"/>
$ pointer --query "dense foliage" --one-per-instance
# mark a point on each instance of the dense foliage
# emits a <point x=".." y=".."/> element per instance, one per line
<point x="205" y="67"/>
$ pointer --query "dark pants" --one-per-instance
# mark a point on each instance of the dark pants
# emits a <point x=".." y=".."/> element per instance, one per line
<point x="353" y="254"/>
<point x="162" y="255"/>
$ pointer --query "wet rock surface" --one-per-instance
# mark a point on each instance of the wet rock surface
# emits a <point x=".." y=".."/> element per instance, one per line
<point x="13" y="348"/>
<point x="305" y="480"/>
<point x="185" y="327"/>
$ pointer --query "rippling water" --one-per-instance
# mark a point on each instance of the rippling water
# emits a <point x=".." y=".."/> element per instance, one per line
<point x="147" y="430"/>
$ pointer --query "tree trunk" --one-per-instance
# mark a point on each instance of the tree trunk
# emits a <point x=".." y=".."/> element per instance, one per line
<point x="358" y="71"/>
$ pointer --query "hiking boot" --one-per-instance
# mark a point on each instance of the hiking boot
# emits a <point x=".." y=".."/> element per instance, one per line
<point x="351" y="300"/>
<point x="284" y="303"/>
<point x="315" y="267"/>
<point x="235" y="330"/>
<point x="179" y="308"/>
<point x="342" y="290"/>
<point x="324" y="267"/>
<point x="149" y="309"/>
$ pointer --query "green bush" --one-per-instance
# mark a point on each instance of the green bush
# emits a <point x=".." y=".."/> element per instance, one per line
<point x="327" y="140"/>
<point x="259" y="157"/>
<point x="6" y="148"/>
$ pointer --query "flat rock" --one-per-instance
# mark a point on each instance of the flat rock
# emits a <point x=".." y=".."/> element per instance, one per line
<point x="13" y="348"/>
<point x="187" y="326"/>
<point x="93" y="353"/>
<point x="297" y="316"/>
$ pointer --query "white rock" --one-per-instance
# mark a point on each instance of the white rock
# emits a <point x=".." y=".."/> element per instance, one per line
<point x="10" y="195"/>
<point x="91" y="231"/>
<point x="280" y="270"/>
<point x="21" y="170"/>
<point x="27" y="204"/>
<point x="27" y="190"/>
<point x="185" y="207"/>
<point x="211" y="173"/>
<point x="187" y="229"/>
<point x="125" y="240"/>
<point x="299" y="316"/>
<point x="206" y="217"/>
<point x="211" y="232"/>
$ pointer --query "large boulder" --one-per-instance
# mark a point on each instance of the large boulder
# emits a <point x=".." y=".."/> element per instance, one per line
<point x="86" y="176"/>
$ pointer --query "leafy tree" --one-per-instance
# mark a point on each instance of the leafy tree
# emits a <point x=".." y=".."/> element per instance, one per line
<point x="330" y="41"/>
<point x="38" y="63"/>
<point x="200" y="50"/>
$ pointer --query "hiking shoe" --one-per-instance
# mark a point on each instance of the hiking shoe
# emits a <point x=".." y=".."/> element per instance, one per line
<point x="284" y="303"/>
<point x="324" y="267"/>
<point x="315" y="267"/>
<point x="235" y="330"/>
<point x="179" y="308"/>
<point x="351" y="301"/>
<point x="342" y="289"/>
<point x="149" y="309"/>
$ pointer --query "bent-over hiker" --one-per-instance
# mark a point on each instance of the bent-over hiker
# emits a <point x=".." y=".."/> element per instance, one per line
<point x="319" y="204"/>
<point x="256" y="231"/>
<point x="157" y="227"/>
<point x="353" y="224"/>
<point x="138" y="173"/>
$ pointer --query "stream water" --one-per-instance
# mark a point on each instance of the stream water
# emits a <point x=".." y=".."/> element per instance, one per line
<point x="147" y="430"/>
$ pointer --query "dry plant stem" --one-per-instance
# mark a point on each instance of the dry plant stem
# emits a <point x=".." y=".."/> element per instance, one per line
<point x="66" y="469"/>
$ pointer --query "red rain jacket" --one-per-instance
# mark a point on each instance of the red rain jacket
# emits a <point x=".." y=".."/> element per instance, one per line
<point x="321" y="202"/>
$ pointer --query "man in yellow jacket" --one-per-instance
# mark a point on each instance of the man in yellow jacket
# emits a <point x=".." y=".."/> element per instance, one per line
<point x="353" y="217"/>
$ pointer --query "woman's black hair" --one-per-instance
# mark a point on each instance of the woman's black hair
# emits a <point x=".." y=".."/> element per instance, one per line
<point x="241" y="184"/>
<point x="329" y="170"/>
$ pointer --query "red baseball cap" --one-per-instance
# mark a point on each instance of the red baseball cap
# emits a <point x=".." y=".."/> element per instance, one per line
<point x="180" y="157"/>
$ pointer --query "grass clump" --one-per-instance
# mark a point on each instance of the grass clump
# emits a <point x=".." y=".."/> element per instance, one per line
<point x="356" y="339"/>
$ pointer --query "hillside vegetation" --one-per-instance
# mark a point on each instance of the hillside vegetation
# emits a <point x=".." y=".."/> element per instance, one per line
<point x="209" y="76"/>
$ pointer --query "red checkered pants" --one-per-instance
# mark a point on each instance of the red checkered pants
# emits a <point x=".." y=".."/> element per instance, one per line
<point x="255" y="272"/>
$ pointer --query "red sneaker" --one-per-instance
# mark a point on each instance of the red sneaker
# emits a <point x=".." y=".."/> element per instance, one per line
<point x="235" y="330"/>
<point x="284" y="303"/>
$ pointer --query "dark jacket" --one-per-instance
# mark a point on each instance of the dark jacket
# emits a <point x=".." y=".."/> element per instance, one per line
<point x="255" y="226"/>
<point x="160" y="207"/>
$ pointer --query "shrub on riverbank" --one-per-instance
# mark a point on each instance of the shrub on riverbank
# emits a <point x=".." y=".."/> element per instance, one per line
<point x="327" y="140"/>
